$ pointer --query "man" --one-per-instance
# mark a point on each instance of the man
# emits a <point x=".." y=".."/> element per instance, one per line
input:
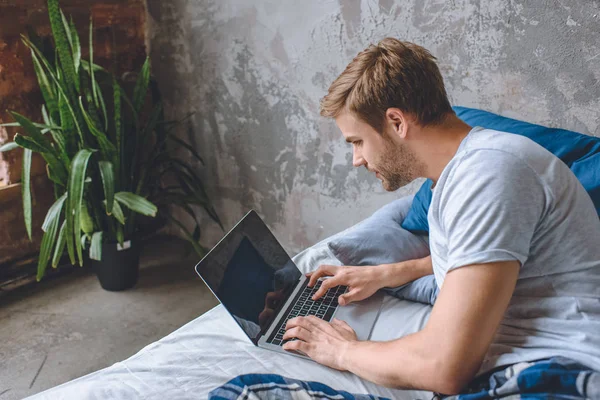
<point x="514" y="237"/>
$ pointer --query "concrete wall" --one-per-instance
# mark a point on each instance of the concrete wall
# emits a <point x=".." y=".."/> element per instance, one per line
<point x="253" y="72"/>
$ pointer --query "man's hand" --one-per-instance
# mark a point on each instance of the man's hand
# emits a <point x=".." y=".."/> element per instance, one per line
<point x="362" y="282"/>
<point x="322" y="341"/>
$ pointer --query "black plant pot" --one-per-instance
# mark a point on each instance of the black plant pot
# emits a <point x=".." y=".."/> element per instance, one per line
<point x="118" y="269"/>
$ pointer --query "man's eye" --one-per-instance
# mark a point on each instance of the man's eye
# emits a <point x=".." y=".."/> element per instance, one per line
<point x="358" y="142"/>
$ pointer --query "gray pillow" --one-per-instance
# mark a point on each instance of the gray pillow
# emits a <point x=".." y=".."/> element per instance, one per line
<point x="380" y="239"/>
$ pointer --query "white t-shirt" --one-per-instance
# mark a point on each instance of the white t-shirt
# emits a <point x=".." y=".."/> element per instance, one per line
<point x="503" y="197"/>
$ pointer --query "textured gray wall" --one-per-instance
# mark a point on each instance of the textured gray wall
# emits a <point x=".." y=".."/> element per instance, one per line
<point x="253" y="72"/>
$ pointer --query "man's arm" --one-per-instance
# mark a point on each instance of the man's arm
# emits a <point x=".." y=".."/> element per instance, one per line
<point x="397" y="274"/>
<point x="444" y="356"/>
<point x="366" y="280"/>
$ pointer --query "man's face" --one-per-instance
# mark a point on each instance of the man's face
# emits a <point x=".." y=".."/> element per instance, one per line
<point x="393" y="162"/>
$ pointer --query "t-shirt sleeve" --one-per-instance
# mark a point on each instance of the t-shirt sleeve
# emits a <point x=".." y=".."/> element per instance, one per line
<point x="491" y="206"/>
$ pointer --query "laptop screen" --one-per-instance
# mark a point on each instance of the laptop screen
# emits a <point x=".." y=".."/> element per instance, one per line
<point x="250" y="274"/>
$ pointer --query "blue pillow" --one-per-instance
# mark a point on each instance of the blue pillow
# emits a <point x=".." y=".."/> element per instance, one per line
<point x="380" y="239"/>
<point x="416" y="219"/>
<point x="580" y="152"/>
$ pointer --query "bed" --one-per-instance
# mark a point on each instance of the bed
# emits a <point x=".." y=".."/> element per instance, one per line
<point x="211" y="349"/>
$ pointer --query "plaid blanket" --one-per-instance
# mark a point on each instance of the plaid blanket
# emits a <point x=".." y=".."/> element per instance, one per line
<point x="554" y="378"/>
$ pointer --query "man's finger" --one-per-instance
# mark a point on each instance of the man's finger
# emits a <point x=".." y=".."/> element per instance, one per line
<point x="323" y="270"/>
<point x="317" y="324"/>
<point x="325" y="286"/>
<point x="342" y="324"/>
<point x="297" y="332"/>
<point x="349" y="297"/>
<point x="299" y="346"/>
<point x="298" y="321"/>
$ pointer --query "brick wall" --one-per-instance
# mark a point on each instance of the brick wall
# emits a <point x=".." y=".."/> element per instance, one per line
<point x="123" y="19"/>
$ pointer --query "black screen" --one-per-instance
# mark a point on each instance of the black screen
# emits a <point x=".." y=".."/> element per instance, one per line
<point x="251" y="274"/>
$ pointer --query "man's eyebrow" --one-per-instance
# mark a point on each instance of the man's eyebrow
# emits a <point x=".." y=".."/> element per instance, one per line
<point x="351" y="139"/>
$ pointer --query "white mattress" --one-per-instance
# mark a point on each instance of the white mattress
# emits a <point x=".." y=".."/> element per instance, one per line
<point x="210" y="350"/>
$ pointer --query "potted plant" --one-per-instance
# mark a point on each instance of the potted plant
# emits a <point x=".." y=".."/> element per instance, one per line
<point x="105" y="155"/>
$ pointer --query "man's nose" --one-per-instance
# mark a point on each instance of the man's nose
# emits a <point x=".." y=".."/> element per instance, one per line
<point x="357" y="158"/>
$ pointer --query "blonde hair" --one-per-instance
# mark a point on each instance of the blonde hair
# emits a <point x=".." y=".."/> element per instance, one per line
<point x="390" y="74"/>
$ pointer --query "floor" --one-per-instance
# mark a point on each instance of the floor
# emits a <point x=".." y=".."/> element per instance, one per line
<point x="57" y="330"/>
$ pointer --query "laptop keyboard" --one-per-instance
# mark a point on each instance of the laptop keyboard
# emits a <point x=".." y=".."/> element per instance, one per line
<point x="322" y="308"/>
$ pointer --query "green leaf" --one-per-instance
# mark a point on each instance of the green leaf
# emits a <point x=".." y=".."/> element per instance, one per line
<point x="107" y="149"/>
<point x="117" y="116"/>
<point x="56" y="171"/>
<point x="36" y="141"/>
<point x="117" y="212"/>
<point x="44" y="127"/>
<point x="64" y="106"/>
<point x="59" y="139"/>
<point x="190" y="237"/>
<point x="102" y="105"/>
<point x="95" y="94"/>
<point x="186" y="146"/>
<point x="108" y="181"/>
<point x="54" y="177"/>
<point x="76" y="46"/>
<point x="45" y="116"/>
<point x="174" y="122"/>
<point x="96" y="246"/>
<point x="28" y="143"/>
<point x="141" y="139"/>
<point x="67" y="119"/>
<point x="191" y="184"/>
<point x="120" y="234"/>
<point x="75" y="196"/>
<point x="59" y="172"/>
<point x="47" y="245"/>
<point x="67" y="28"/>
<point x="8" y="146"/>
<point x="54" y="212"/>
<point x="95" y="67"/>
<point x="26" y="190"/>
<point x="62" y="45"/>
<point x="187" y="209"/>
<point x="57" y="134"/>
<point x="152" y="121"/>
<point x="136" y="203"/>
<point x="196" y="194"/>
<point x="47" y="90"/>
<point x="32" y="130"/>
<point x="92" y="110"/>
<point x="87" y="224"/>
<point x="59" y="73"/>
<point x="183" y="205"/>
<point x="141" y="86"/>
<point x="60" y="245"/>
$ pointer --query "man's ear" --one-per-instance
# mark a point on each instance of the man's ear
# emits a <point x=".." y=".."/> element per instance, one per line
<point x="395" y="120"/>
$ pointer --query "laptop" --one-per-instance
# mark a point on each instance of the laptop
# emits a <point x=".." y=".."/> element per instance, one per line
<point x="261" y="288"/>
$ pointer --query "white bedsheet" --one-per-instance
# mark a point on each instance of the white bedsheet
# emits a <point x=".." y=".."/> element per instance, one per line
<point x="210" y="350"/>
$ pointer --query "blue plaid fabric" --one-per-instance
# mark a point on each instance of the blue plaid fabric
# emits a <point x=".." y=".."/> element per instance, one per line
<point x="554" y="378"/>
<point x="277" y="387"/>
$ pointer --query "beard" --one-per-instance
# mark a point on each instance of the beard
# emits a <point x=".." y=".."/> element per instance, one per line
<point x="397" y="166"/>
